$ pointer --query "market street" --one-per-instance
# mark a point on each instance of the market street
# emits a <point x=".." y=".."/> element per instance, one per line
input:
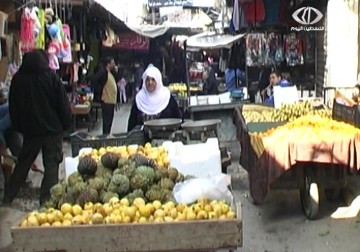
<point x="278" y="225"/>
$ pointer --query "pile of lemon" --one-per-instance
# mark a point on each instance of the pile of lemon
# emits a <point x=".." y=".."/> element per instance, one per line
<point x="118" y="211"/>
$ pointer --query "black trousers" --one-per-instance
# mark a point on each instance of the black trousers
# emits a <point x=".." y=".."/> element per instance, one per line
<point x="107" y="111"/>
<point x="52" y="155"/>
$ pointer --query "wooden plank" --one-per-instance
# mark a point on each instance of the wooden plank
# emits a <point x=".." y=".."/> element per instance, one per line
<point x="194" y="235"/>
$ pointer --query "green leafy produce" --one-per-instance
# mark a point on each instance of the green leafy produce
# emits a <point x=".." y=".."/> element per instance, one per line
<point x="88" y="195"/>
<point x="138" y="193"/>
<point x="98" y="183"/>
<point x="173" y="173"/>
<point x="166" y="183"/>
<point x="105" y="197"/>
<point x="74" y="178"/>
<point x="57" y="192"/>
<point x="159" y="174"/>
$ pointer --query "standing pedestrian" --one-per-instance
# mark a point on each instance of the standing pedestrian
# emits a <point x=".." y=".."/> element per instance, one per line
<point x="40" y="111"/>
<point x="106" y="91"/>
<point x="138" y="76"/>
<point x="122" y="87"/>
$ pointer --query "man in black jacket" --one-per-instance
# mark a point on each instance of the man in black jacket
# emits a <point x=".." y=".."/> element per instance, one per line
<point x="104" y="85"/>
<point x="40" y="110"/>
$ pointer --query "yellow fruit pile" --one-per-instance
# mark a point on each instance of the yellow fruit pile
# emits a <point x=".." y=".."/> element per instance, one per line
<point x="159" y="154"/>
<point x="120" y="211"/>
<point x="311" y="128"/>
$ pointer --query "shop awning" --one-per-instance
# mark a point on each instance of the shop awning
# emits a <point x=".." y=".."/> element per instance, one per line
<point x="130" y="13"/>
<point x="211" y="40"/>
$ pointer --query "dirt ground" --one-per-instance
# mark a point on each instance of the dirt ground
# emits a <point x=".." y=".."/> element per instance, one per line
<point x="278" y="225"/>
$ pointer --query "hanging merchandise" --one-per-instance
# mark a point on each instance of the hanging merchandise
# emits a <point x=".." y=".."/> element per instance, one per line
<point x="67" y="37"/>
<point x="293" y="49"/>
<point x="309" y="46"/>
<point x="238" y="21"/>
<point x="254" y="10"/>
<point x="40" y="39"/>
<point x="67" y="44"/>
<point x="274" y="52"/>
<point x="272" y="9"/>
<point x="53" y="51"/>
<point x="255" y="45"/>
<point x="27" y="35"/>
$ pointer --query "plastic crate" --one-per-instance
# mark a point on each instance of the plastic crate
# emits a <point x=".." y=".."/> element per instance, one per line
<point x="81" y="140"/>
<point x="346" y="113"/>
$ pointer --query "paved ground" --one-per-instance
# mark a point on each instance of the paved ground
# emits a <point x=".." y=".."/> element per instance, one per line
<point x="278" y="225"/>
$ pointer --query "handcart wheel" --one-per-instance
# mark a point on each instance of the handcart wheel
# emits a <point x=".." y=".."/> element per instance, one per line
<point x="310" y="195"/>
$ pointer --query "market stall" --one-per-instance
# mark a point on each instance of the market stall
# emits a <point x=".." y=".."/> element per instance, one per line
<point x="212" y="106"/>
<point x="130" y="197"/>
<point x="315" y="155"/>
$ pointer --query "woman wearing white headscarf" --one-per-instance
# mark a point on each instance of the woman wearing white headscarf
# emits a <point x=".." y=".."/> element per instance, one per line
<point x="153" y="101"/>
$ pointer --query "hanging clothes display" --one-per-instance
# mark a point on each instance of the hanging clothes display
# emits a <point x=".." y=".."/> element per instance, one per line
<point x="40" y="39"/>
<point x="27" y="33"/>
<point x="67" y="43"/>
<point x="274" y="50"/>
<point x="255" y="46"/>
<point x="254" y="10"/>
<point x="223" y="61"/>
<point x="293" y="49"/>
<point x="309" y="47"/>
<point x="238" y="21"/>
<point x="272" y="9"/>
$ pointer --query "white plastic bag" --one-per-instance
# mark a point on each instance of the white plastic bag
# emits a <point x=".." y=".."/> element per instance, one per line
<point x="212" y="188"/>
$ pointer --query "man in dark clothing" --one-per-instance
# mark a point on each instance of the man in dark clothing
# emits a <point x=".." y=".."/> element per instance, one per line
<point x="106" y="92"/>
<point x="211" y="84"/>
<point x="40" y="111"/>
<point x="138" y="76"/>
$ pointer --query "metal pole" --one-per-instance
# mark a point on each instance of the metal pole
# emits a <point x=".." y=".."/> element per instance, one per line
<point x="187" y="72"/>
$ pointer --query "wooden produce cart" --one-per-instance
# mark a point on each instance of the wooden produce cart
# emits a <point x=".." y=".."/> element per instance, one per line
<point x="311" y="168"/>
<point x="205" y="235"/>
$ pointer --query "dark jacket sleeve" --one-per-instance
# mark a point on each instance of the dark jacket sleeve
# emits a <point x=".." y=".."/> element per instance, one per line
<point x="97" y="84"/>
<point x="133" y="118"/>
<point x="13" y="108"/>
<point x="62" y="104"/>
<point x="174" y="108"/>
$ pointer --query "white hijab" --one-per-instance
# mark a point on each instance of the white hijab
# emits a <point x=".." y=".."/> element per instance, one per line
<point x="155" y="102"/>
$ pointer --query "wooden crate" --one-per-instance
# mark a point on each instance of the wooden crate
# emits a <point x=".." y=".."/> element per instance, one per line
<point x="207" y="235"/>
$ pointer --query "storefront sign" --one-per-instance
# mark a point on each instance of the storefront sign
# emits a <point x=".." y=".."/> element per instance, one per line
<point x="189" y="3"/>
<point x="132" y="41"/>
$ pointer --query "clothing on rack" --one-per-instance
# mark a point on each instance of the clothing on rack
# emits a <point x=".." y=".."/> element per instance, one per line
<point x="223" y="61"/>
<point x="274" y="50"/>
<point x="40" y="39"/>
<point x="309" y="47"/>
<point x="237" y="55"/>
<point x="255" y="46"/>
<point x="238" y="21"/>
<point x="254" y="10"/>
<point x="293" y="49"/>
<point x="272" y="9"/>
<point x="27" y="35"/>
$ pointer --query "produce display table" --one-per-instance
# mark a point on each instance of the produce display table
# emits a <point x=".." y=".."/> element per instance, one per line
<point x="296" y="164"/>
<point x="205" y="235"/>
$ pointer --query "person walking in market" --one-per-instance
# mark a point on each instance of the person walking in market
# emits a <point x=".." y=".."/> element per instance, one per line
<point x="40" y="111"/>
<point x="106" y="91"/>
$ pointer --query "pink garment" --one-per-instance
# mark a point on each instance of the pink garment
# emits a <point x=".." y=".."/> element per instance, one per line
<point x="121" y="85"/>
